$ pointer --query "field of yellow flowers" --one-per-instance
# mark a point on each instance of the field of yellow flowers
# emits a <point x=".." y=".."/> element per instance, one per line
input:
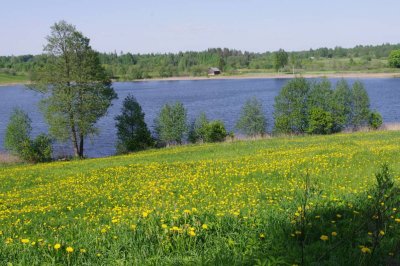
<point x="283" y="201"/>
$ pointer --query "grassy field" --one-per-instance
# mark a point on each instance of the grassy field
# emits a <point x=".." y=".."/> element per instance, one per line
<point x="283" y="201"/>
<point x="11" y="79"/>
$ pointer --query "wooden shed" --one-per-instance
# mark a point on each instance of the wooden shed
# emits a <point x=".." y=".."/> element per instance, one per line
<point x="212" y="71"/>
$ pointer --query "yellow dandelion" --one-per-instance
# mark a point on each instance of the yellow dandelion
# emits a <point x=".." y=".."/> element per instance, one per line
<point x="25" y="241"/>
<point x="204" y="226"/>
<point x="69" y="249"/>
<point x="381" y="232"/>
<point x="82" y="250"/>
<point x="57" y="246"/>
<point x="164" y="226"/>
<point x="334" y="234"/>
<point x="365" y="250"/>
<point x="262" y="235"/>
<point x="324" y="238"/>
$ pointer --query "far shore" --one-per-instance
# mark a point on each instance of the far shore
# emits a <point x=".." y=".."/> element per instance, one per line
<point x="253" y="76"/>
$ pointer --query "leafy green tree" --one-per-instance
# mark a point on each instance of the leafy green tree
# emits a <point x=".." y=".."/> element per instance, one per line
<point x="342" y="106"/>
<point x="375" y="120"/>
<point x="132" y="131"/>
<point x="77" y="88"/>
<point x="290" y="106"/>
<point x="360" y="106"/>
<point x="320" y="121"/>
<point x="215" y="131"/>
<point x="171" y="124"/>
<point x="19" y="143"/>
<point x="18" y="132"/>
<point x="198" y="129"/>
<point x="252" y="121"/>
<point x="394" y="58"/>
<point x="280" y="59"/>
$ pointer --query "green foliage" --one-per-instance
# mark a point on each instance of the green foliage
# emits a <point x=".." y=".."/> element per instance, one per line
<point x="341" y="106"/>
<point x="320" y="121"/>
<point x="290" y="106"/>
<point x="132" y="131"/>
<point x="171" y="124"/>
<point x="252" y="121"/>
<point x="394" y="58"/>
<point x="78" y="90"/>
<point x="198" y="129"/>
<point x="280" y="59"/>
<point x="18" y="132"/>
<point x="375" y="120"/>
<point x="18" y="141"/>
<point x="215" y="131"/>
<point x="360" y="106"/>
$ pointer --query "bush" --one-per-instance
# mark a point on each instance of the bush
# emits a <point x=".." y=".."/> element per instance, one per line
<point x="375" y="120"/>
<point x="394" y="59"/>
<point x="320" y="121"/>
<point x="215" y="132"/>
<point x="18" y="142"/>
<point x="198" y="129"/>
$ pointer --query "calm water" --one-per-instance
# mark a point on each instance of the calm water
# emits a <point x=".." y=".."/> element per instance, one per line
<point x="219" y="99"/>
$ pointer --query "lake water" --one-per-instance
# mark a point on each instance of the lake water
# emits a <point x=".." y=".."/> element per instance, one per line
<point x="219" y="99"/>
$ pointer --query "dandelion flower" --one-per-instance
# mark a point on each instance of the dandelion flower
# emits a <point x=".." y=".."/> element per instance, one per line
<point x="57" y="246"/>
<point x="334" y="234"/>
<point x="69" y="249"/>
<point x="324" y="238"/>
<point x="204" y="226"/>
<point x="365" y="250"/>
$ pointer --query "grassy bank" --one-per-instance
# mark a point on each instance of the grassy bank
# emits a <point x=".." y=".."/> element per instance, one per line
<point x="230" y="203"/>
<point x="13" y="79"/>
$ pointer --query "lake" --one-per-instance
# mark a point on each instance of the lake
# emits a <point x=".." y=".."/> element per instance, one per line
<point x="219" y="99"/>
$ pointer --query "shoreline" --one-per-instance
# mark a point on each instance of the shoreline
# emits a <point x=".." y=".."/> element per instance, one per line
<point x="253" y="76"/>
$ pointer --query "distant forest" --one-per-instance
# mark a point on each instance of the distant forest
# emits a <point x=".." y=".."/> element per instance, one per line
<point x="128" y="66"/>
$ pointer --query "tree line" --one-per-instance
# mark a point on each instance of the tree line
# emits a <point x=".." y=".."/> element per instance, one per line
<point x="78" y="91"/>
<point x="129" y="66"/>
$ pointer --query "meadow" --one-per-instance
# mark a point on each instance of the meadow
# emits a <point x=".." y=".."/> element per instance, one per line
<point x="11" y="79"/>
<point x="306" y="200"/>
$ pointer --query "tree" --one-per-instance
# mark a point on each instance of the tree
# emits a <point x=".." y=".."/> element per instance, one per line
<point x="171" y="124"/>
<point x="280" y="59"/>
<point x="198" y="129"/>
<point x="252" y="121"/>
<point x="341" y="106"/>
<point x="19" y="143"/>
<point x="18" y="132"/>
<point x="360" y="106"/>
<point x="132" y="131"/>
<point x="78" y="90"/>
<point x="215" y="131"/>
<point x="394" y="58"/>
<point x="291" y="107"/>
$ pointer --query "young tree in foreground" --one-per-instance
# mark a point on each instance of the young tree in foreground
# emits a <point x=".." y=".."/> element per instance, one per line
<point x="132" y="131"/>
<point x="198" y="129"/>
<point x="215" y="131"/>
<point x="291" y="107"/>
<point x="360" y="106"/>
<point x="18" y="132"/>
<point x="252" y="121"/>
<point x="171" y="124"/>
<point x="341" y="106"/>
<point x="375" y="120"/>
<point x="19" y="143"/>
<point x="78" y="90"/>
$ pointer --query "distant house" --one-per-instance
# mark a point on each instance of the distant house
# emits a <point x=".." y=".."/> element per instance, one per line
<point x="212" y="71"/>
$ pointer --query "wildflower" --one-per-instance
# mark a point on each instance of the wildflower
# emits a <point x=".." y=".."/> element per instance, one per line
<point x="298" y="232"/>
<point x="145" y="214"/>
<point x="1" y="232"/>
<point x="103" y="230"/>
<point x="365" y="250"/>
<point x="397" y="220"/>
<point x="338" y="215"/>
<point x="324" y="238"/>
<point x="204" y="226"/>
<point x="192" y="233"/>
<point x="133" y="227"/>
<point x="381" y="232"/>
<point x="262" y="236"/>
<point x="33" y="243"/>
<point x="164" y="226"/>
<point x="334" y="234"/>
<point x="57" y="246"/>
<point x="25" y="241"/>
<point x="82" y="250"/>
<point x="69" y="249"/>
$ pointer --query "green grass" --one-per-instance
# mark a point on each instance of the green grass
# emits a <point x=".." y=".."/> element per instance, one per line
<point x="240" y="203"/>
<point x="11" y="79"/>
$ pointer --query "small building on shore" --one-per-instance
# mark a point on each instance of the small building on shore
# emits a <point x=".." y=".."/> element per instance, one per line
<point x="213" y="71"/>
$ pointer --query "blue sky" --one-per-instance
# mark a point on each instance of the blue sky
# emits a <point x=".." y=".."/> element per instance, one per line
<point x="181" y="25"/>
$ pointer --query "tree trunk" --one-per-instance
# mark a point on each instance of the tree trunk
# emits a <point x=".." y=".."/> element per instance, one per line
<point x="81" y="146"/>
<point x="74" y="141"/>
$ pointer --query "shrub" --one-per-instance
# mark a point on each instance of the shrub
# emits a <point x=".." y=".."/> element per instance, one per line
<point x="320" y="121"/>
<point x="39" y="150"/>
<point x="198" y="129"/>
<point x="394" y="59"/>
<point x="375" y="120"/>
<point x="215" y="132"/>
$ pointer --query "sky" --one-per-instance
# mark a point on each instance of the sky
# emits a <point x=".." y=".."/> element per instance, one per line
<point x="160" y="26"/>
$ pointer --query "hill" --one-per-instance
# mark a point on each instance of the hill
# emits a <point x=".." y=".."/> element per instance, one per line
<point x="277" y="201"/>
